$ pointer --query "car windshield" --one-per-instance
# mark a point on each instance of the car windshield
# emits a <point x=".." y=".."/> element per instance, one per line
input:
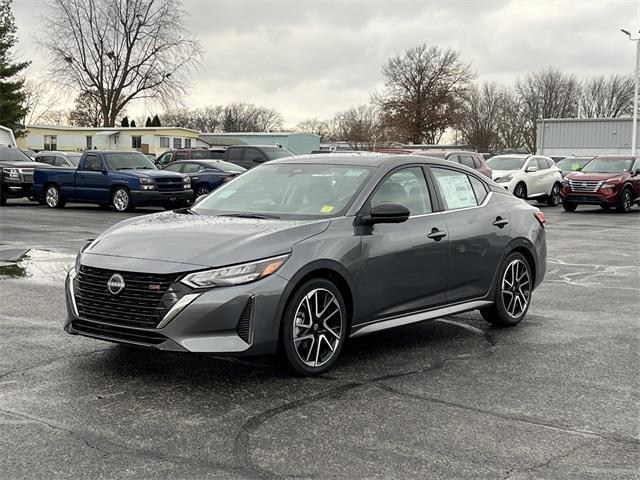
<point x="506" y="163"/>
<point x="273" y="153"/>
<point x="74" y="158"/>
<point x="226" y="167"/>
<point x="608" y="165"/>
<point x="128" y="161"/>
<point x="8" y="154"/>
<point x="573" y="164"/>
<point x="287" y="191"/>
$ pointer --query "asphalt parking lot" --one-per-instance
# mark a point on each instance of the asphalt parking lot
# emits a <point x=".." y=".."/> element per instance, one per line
<point x="556" y="397"/>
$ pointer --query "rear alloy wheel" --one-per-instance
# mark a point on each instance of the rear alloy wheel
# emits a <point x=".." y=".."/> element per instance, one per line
<point x="520" y="191"/>
<point x="121" y="200"/>
<point x="53" y="197"/>
<point x="314" y="328"/>
<point x="554" y="198"/>
<point x="625" y="201"/>
<point x="569" y="207"/>
<point x="513" y="293"/>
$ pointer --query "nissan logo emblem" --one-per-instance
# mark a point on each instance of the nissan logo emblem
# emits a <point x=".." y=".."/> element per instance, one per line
<point x="584" y="184"/>
<point x="115" y="284"/>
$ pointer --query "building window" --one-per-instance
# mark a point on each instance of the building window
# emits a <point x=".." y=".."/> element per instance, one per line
<point x="177" y="143"/>
<point x="164" y="142"/>
<point x="136" y="142"/>
<point x="50" y="142"/>
<point x="187" y="143"/>
<point x="89" y="142"/>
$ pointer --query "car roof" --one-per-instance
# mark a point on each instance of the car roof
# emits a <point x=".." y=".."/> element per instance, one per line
<point x="257" y="146"/>
<point x="618" y="157"/>
<point x="367" y="159"/>
<point x="516" y="155"/>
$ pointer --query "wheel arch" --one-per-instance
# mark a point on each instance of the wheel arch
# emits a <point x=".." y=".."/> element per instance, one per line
<point x="524" y="247"/>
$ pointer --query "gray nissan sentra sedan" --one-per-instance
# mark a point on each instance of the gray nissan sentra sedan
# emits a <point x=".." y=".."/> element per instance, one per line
<point x="301" y="253"/>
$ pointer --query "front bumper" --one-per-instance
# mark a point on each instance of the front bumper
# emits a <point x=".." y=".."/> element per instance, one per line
<point x="239" y="320"/>
<point x="17" y="189"/>
<point x="604" y="196"/>
<point x="150" y="198"/>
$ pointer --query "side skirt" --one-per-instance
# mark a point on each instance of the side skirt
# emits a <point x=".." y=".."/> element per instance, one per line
<point x="418" y="317"/>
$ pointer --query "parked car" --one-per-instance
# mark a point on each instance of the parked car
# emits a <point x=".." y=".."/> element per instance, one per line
<point x="29" y="153"/>
<point x="206" y="175"/>
<point x="608" y="181"/>
<point x="303" y="252"/>
<point x="189" y="154"/>
<point x="572" y="164"/>
<point x="122" y="179"/>
<point x="469" y="159"/>
<point x="530" y="177"/>
<point x="16" y="174"/>
<point x="58" y="159"/>
<point x="249" y="156"/>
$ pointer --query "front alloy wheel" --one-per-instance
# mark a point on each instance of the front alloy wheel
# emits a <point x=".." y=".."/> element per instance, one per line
<point x="520" y="191"/>
<point x="625" y="201"/>
<point x="315" y="327"/>
<point x="513" y="293"/>
<point x="121" y="200"/>
<point x="554" y="198"/>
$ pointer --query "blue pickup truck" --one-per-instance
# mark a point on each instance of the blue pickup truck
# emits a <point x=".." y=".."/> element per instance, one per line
<point x="121" y="179"/>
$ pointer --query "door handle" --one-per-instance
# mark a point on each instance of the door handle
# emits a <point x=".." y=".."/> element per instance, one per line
<point x="436" y="234"/>
<point x="500" y="222"/>
<point x="194" y="178"/>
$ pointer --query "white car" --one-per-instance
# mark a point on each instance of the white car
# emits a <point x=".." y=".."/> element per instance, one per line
<point x="530" y="177"/>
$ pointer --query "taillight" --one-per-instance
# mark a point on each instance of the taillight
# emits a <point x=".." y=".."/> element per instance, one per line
<point x="540" y="217"/>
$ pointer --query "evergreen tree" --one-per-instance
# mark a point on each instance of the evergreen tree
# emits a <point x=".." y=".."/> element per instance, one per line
<point x="148" y="122"/>
<point x="156" y="121"/>
<point x="125" y="122"/>
<point x="12" y="94"/>
<point x="133" y="123"/>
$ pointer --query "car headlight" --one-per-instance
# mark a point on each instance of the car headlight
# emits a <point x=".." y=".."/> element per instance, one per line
<point x="186" y="182"/>
<point x="12" y="172"/>
<point x="505" y="179"/>
<point x="235" y="274"/>
<point x="147" y="183"/>
<point x="611" y="182"/>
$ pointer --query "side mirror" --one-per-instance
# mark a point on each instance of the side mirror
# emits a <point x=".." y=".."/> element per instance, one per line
<point x="199" y="199"/>
<point x="387" y="213"/>
<point x="637" y="171"/>
<point x="531" y="169"/>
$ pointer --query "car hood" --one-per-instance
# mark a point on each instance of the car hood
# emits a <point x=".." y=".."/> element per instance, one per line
<point x="210" y="241"/>
<point x="9" y="164"/>
<point x="586" y="176"/>
<point x="152" y="173"/>
<point x="501" y="173"/>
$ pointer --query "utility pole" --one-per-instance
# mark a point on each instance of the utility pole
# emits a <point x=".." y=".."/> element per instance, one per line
<point x="634" y="133"/>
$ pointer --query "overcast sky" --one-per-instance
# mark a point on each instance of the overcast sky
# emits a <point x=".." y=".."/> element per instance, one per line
<point x="309" y="58"/>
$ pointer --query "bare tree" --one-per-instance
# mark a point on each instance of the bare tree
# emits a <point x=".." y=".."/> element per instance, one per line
<point x="121" y="49"/>
<point x="245" y="117"/>
<point x="87" y="111"/>
<point x="424" y="87"/>
<point x="55" y="117"/>
<point x="512" y="124"/>
<point x="314" y="126"/>
<point x="206" y="119"/>
<point x="607" y="97"/>
<point x="362" y="127"/>
<point x="40" y="99"/>
<point x="547" y="93"/>
<point x="480" y="115"/>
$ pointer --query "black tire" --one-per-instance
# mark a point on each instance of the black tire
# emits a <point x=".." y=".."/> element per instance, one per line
<point x="3" y="196"/>
<point x="320" y="331"/>
<point x="626" y="201"/>
<point x="569" y="207"/>
<point x="53" y="197"/>
<point x="553" y="200"/>
<point x="201" y="190"/>
<point x="520" y="191"/>
<point x="511" y="302"/>
<point x="121" y="200"/>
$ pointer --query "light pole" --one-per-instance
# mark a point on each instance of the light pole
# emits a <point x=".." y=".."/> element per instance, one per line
<point x="634" y="134"/>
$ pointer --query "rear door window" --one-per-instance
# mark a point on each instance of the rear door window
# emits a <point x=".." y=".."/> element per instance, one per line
<point x="191" y="168"/>
<point x="59" y="162"/>
<point x="542" y="163"/>
<point x="253" y="155"/>
<point x="467" y="161"/>
<point x="235" y="154"/>
<point x="455" y="188"/>
<point x="182" y="155"/>
<point x="479" y="189"/>
<point x="174" y="167"/>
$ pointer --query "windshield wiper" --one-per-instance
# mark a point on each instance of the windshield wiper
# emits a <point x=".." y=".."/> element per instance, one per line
<point x="249" y="215"/>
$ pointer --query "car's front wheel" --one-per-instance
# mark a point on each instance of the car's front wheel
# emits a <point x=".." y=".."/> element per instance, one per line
<point x="513" y="293"/>
<point x="314" y="327"/>
<point x="520" y="191"/>
<point x="554" y="198"/>
<point x="121" y="200"/>
<point x="202" y="190"/>
<point x="626" y="201"/>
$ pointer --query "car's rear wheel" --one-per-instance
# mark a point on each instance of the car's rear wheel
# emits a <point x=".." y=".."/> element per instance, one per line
<point x="314" y="327"/>
<point x="513" y="292"/>
<point x="626" y="201"/>
<point x="569" y="207"/>
<point x="520" y="191"/>
<point x="121" y="200"/>
<point x="53" y="197"/>
<point x="554" y="198"/>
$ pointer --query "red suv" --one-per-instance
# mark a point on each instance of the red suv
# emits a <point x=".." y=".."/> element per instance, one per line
<point x="608" y="181"/>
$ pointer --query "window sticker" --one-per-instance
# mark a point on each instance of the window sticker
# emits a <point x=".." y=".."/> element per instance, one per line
<point x="326" y="209"/>
<point x="575" y="166"/>
<point x="457" y="191"/>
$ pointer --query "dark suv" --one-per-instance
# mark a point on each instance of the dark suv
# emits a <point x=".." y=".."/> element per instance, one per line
<point x="607" y="181"/>
<point x="249" y="156"/>
<point x="16" y="174"/>
<point x="189" y="154"/>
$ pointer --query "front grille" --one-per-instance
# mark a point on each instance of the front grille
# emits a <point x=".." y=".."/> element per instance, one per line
<point x="26" y="175"/>
<point x="120" y="334"/>
<point x="244" y="324"/>
<point x="590" y="186"/>
<point x="143" y="302"/>
<point x="169" y="184"/>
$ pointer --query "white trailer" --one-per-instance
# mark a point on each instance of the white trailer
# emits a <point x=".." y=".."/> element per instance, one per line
<point x="6" y="137"/>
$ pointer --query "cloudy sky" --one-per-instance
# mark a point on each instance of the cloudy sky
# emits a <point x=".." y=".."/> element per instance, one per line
<point x="311" y="58"/>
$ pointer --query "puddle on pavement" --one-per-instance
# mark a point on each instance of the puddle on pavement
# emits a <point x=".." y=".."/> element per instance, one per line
<point x="39" y="266"/>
